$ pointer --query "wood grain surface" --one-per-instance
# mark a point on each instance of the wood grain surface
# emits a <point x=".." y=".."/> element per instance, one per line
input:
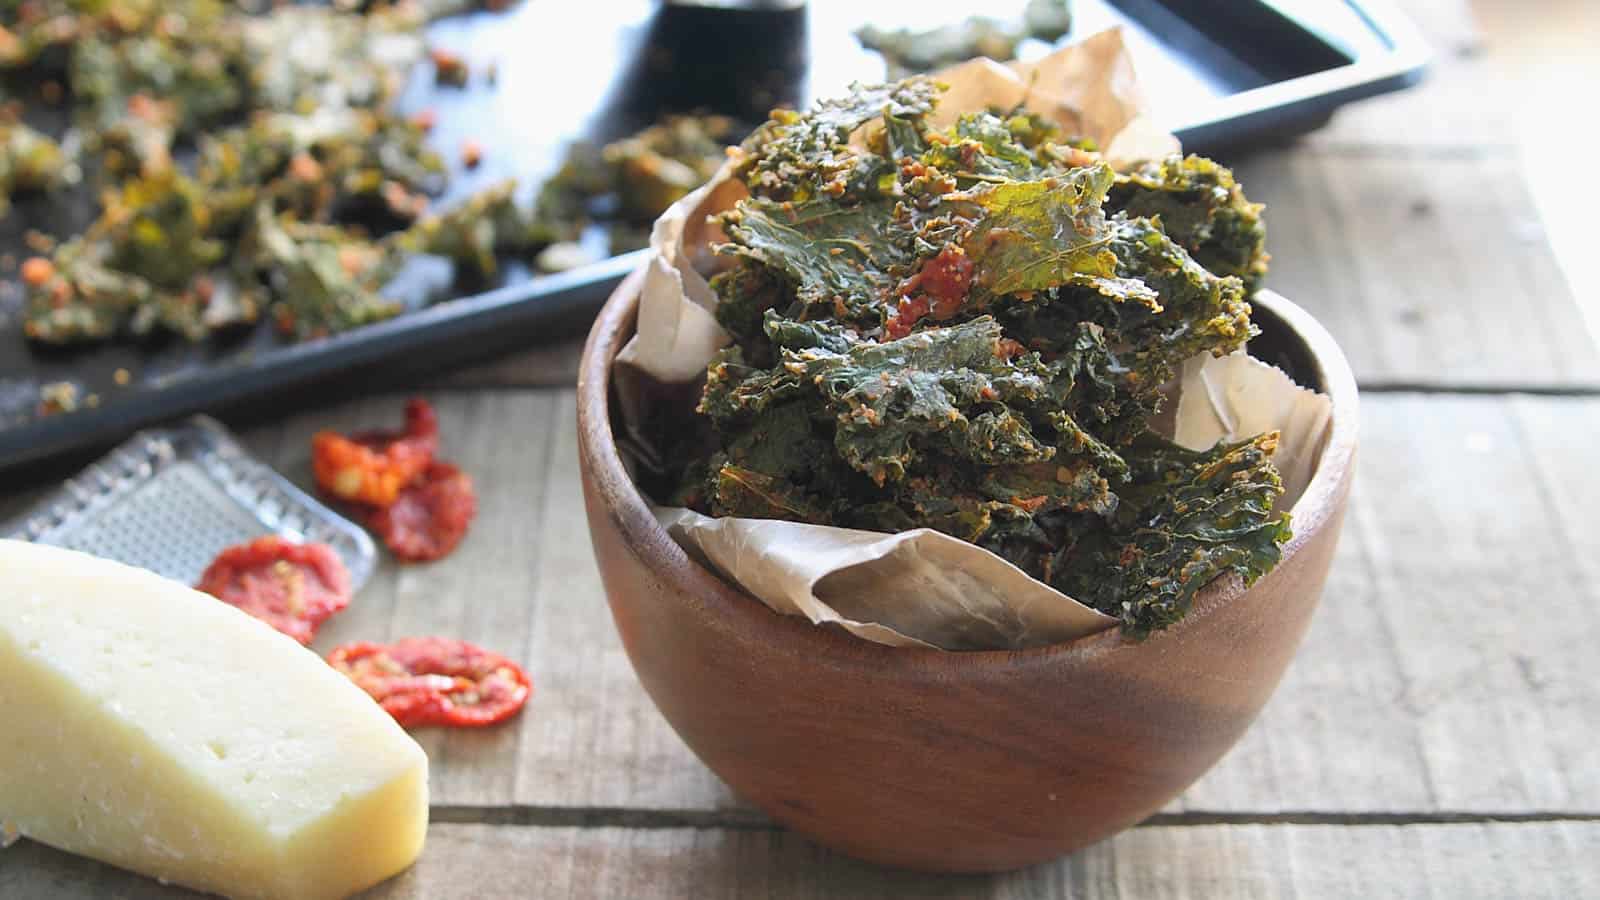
<point x="1487" y="860"/>
<point x="1435" y="736"/>
<point x="1437" y="692"/>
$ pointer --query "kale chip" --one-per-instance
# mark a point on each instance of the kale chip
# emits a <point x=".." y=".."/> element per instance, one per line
<point x="970" y="329"/>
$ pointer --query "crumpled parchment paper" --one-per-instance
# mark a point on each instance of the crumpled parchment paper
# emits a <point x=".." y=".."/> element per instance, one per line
<point x="924" y="588"/>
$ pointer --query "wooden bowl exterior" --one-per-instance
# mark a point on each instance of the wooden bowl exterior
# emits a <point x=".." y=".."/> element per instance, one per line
<point x="961" y="762"/>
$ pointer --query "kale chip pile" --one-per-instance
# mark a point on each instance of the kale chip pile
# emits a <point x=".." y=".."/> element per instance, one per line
<point x="247" y="166"/>
<point x="968" y="329"/>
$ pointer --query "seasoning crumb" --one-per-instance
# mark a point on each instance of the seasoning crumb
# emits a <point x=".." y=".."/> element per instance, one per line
<point x="58" y="397"/>
<point x="122" y="377"/>
<point x="471" y="153"/>
<point x="448" y="67"/>
<point x="38" y="241"/>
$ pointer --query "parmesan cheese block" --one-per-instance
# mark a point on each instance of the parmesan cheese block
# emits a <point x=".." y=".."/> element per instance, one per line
<point x="156" y="728"/>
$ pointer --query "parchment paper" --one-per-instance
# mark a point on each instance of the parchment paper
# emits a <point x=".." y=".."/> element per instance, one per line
<point x="1238" y="396"/>
<point x="921" y="587"/>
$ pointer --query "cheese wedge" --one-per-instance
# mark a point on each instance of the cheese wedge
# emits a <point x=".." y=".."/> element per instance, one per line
<point x="156" y="728"/>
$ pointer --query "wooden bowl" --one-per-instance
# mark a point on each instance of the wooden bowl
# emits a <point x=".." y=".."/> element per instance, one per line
<point x="959" y="762"/>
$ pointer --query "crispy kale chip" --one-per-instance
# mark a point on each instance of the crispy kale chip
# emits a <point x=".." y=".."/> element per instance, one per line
<point x="472" y="234"/>
<point x="798" y="156"/>
<point x="325" y="279"/>
<point x="81" y="299"/>
<point x="29" y="161"/>
<point x="249" y="156"/>
<point x="970" y="329"/>
<point x="907" y="51"/>
<point x="1202" y="208"/>
<point x="1185" y="518"/>
<point x="626" y="184"/>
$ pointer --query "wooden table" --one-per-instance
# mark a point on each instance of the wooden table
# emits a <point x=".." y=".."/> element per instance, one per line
<point x="1439" y="734"/>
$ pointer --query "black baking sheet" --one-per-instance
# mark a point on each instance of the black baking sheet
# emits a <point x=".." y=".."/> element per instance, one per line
<point x="1217" y="73"/>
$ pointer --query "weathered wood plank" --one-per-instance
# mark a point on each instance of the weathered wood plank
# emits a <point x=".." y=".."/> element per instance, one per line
<point x="482" y="592"/>
<point x="523" y="583"/>
<point x="1489" y="860"/>
<point x="544" y="365"/>
<point x="1447" y="111"/>
<point x="1428" y="271"/>
<point x="594" y="740"/>
<point x="1447" y="669"/>
<point x="1548" y="68"/>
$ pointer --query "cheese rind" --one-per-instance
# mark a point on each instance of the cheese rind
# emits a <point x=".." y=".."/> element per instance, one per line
<point x="152" y="727"/>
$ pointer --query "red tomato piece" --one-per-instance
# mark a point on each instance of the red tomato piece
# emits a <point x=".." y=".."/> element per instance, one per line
<point x="373" y="467"/>
<point x="292" y="587"/>
<point x="436" y="681"/>
<point x="430" y="516"/>
<point x="939" y="289"/>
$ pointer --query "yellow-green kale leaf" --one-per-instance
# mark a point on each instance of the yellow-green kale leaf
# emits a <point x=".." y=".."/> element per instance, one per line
<point x="1204" y="209"/>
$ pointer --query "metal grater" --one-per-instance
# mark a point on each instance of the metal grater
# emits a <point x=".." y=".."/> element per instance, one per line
<point x="170" y="499"/>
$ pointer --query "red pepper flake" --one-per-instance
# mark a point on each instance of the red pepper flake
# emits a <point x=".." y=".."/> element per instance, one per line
<point x="471" y="153"/>
<point x="292" y="587"/>
<point x="436" y="681"/>
<point x="430" y="516"/>
<point x="374" y="467"/>
<point x="425" y="119"/>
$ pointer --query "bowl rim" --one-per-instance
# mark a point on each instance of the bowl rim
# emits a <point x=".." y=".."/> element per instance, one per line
<point x="727" y="605"/>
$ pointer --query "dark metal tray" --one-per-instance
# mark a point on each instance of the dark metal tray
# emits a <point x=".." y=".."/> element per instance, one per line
<point x="1218" y="74"/>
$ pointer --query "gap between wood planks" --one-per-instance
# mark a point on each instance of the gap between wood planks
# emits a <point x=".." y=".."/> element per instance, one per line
<point x="1371" y="386"/>
<point x="1346" y="148"/>
<point x="751" y="820"/>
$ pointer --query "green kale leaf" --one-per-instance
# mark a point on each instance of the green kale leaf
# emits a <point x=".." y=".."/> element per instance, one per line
<point x="1202" y="208"/>
<point x="970" y="330"/>
<point x="1185" y="518"/>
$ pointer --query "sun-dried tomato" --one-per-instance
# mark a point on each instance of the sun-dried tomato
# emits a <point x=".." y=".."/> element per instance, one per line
<point x="373" y="467"/>
<point x="938" y="289"/>
<point x="292" y="587"/>
<point x="436" y="681"/>
<point x="430" y="516"/>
